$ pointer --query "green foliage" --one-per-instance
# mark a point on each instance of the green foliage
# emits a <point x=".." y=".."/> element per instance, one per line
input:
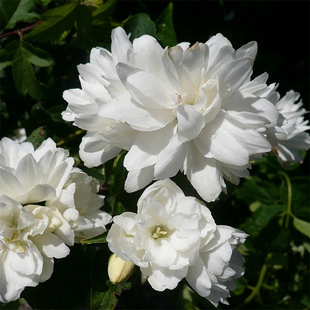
<point x="138" y="25"/>
<point x="165" y="30"/>
<point x="7" y="9"/>
<point x="55" y="23"/>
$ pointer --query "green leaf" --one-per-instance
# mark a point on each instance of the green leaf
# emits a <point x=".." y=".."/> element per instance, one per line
<point x="260" y="218"/>
<point x="84" y="26"/>
<point x="104" y="10"/>
<point x="24" y="77"/>
<point x="105" y="300"/>
<point x="302" y="226"/>
<point x="120" y="175"/>
<point x="56" y="24"/>
<point x="36" y="55"/>
<point x="22" y="14"/>
<point x="253" y="189"/>
<point x="96" y="173"/>
<point x="7" y="54"/>
<point x="7" y="9"/>
<point x="139" y="25"/>
<point x="102" y="238"/>
<point x="165" y="30"/>
<point x="37" y="136"/>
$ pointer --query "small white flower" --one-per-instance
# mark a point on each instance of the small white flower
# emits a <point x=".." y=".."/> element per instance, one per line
<point x="27" y="247"/>
<point x="189" y="109"/>
<point x="59" y="202"/>
<point x="29" y="175"/>
<point x="80" y="205"/>
<point x="174" y="237"/>
<point x="218" y="266"/>
<point x="291" y="135"/>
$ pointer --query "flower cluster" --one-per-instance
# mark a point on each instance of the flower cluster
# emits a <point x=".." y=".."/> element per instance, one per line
<point x="193" y="109"/>
<point x="45" y="206"/>
<point x="173" y="237"/>
<point x="190" y="109"/>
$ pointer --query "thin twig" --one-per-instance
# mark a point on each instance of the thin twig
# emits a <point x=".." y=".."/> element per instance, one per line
<point x="20" y="31"/>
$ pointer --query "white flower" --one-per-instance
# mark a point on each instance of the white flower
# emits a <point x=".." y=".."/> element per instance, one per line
<point x="291" y="135"/>
<point x="173" y="237"/>
<point x="190" y="109"/>
<point x="219" y="264"/>
<point x="27" y="247"/>
<point x="29" y="175"/>
<point x="80" y="205"/>
<point x="59" y="202"/>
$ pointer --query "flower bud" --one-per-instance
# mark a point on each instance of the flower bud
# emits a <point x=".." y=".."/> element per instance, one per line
<point x="119" y="270"/>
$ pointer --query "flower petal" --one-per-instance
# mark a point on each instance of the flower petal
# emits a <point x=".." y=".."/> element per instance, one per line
<point x="190" y="123"/>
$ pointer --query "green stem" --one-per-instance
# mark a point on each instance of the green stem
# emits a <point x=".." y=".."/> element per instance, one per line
<point x="256" y="289"/>
<point x="77" y="133"/>
<point x="289" y="198"/>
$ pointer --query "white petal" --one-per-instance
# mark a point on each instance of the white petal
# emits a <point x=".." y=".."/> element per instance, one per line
<point x="144" y="87"/>
<point x="203" y="174"/>
<point x="137" y="179"/>
<point x="146" y="148"/>
<point x="170" y="159"/>
<point x="50" y="245"/>
<point x="190" y="123"/>
<point x="125" y="110"/>
<point x="121" y="47"/>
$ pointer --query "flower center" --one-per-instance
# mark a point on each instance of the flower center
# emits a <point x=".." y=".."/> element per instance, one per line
<point x="159" y="232"/>
<point x="14" y="244"/>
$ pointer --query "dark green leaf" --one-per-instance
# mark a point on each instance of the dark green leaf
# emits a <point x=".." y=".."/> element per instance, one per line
<point x="106" y="300"/>
<point x="24" y="77"/>
<point x="240" y="287"/>
<point x="165" y="30"/>
<point x="102" y="238"/>
<point x="255" y="190"/>
<point x="120" y="175"/>
<point x="36" y="55"/>
<point x="22" y="14"/>
<point x="55" y="112"/>
<point x="7" y="9"/>
<point x="7" y="54"/>
<point x="84" y="26"/>
<point x="104" y="10"/>
<point x="260" y="218"/>
<point x="45" y="2"/>
<point x="37" y="136"/>
<point x="139" y="25"/>
<point x="56" y="24"/>
<point x="302" y="226"/>
<point x="95" y="173"/>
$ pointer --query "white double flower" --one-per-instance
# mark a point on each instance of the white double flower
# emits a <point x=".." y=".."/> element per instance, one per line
<point x="173" y="237"/>
<point x="45" y="206"/>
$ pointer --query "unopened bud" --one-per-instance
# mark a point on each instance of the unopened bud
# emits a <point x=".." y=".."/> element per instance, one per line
<point x="119" y="270"/>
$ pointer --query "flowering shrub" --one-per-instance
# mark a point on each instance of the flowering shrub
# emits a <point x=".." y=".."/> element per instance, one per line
<point x="173" y="169"/>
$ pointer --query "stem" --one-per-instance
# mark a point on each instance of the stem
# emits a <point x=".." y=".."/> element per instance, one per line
<point x="256" y="289"/>
<point x="77" y="133"/>
<point x="289" y="198"/>
<point x="20" y="31"/>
